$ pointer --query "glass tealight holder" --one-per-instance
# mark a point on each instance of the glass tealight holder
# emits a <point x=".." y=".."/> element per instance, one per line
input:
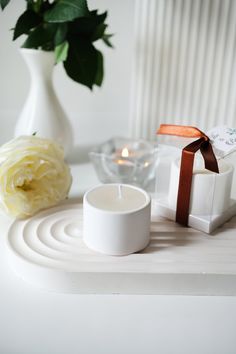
<point x="122" y="160"/>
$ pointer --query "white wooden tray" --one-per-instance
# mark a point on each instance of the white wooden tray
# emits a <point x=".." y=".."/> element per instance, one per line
<point x="48" y="251"/>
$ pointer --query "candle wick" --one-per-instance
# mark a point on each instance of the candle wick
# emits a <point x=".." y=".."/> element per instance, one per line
<point x="120" y="191"/>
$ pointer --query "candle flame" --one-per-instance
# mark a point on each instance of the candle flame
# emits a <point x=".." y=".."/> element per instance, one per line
<point x="125" y="152"/>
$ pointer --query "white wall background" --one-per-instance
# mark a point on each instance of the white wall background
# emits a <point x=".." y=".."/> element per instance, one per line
<point x="97" y="115"/>
<point x="185" y="64"/>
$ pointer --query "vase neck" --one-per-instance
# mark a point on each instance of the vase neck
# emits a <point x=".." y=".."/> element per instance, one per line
<point x="40" y="63"/>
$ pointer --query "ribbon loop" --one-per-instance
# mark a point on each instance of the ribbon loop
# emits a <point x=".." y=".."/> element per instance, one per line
<point x="187" y="160"/>
<point x="180" y="130"/>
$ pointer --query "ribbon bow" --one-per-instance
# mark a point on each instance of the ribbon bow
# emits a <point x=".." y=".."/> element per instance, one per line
<point x="186" y="168"/>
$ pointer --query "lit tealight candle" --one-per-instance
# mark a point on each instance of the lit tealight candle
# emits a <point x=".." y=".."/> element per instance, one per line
<point x="122" y="158"/>
<point x="116" y="219"/>
<point x="127" y="153"/>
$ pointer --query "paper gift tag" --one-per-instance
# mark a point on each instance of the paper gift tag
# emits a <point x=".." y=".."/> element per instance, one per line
<point x="223" y="140"/>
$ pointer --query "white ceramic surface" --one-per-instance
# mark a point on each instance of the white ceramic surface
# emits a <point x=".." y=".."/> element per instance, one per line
<point x="48" y="251"/>
<point x="116" y="222"/>
<point x="42" y="112"/>
<point x="210" y="193"/>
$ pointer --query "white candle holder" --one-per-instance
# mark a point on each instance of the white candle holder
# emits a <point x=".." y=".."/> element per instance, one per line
<point x="116" y="219"/>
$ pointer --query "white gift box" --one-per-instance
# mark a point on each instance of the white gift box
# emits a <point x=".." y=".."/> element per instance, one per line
<point x="211" y="201"/>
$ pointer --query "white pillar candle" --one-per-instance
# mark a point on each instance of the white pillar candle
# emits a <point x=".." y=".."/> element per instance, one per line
<point x="210" y="192"/>
<point x="116" y="219"/>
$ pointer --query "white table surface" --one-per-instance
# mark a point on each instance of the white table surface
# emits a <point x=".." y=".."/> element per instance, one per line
<point x="35" y="321"/>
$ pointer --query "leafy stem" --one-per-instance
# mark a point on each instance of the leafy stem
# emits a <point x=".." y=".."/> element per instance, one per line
<point x="68" y="28"/>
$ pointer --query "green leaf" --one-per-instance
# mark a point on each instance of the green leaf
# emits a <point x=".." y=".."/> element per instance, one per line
<point x="61" y="52"/>
<point x="41" y="37"/>
<point x="99" y="31"/>
<point x="4" y="3"/>
<point x="87" y="26"/>
<point x="82" y="62"/>
<point x="25" y="23"/>
<point x="100" y="73"/>
<point x="67" y="10"/>
<point x="61" y="33"/>
<point x="106" y="40"/>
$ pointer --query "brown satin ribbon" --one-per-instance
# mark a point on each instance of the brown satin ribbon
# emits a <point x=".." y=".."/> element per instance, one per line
<point x="186" y="168"/>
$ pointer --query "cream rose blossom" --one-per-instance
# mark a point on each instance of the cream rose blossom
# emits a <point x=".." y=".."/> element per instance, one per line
<point x="33" y="175"/>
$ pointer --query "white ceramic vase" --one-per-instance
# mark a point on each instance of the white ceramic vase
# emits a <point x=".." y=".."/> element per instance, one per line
<point x="42" y="112"/>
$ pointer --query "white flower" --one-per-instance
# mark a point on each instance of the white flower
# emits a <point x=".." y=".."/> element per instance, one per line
<point x="33" y="175"/>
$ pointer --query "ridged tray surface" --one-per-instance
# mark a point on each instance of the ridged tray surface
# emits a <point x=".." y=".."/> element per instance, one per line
<point x="48" y="250"/>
